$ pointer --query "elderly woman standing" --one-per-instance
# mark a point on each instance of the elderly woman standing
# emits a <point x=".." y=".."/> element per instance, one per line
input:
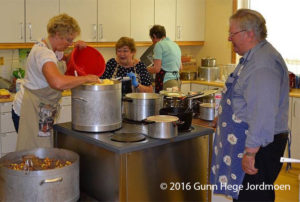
<point x="44" y="81"/>
<point x="166" y="60"/>
<point x="126" y="65"/>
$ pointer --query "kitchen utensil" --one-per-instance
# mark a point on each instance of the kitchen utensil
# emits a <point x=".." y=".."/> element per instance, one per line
<point x="86" y="61"/>
<point x="162" y="126"/>
<point x="138" y="106"/>
<point x="208" y="62"/>
<point x="188" y="76"/>
<point x="59" y="184"/>
<point x="207" y="111"/>
<point x="97" y="108"/>
<point x="208" y="73"/>
<point x="289" y="160"/>
<point x="147" y="57"/>
<point x="185" y="116"/>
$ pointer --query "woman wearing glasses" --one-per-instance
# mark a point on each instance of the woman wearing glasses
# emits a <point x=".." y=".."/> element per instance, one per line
<point x="43" y="83"/>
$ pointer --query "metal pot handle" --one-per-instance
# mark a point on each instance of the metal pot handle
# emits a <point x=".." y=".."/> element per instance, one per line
<point x="59" y="179"/>
<point x="126" y="99"/>
<point x="178" y="123"/>
<point x="79" y="98"/>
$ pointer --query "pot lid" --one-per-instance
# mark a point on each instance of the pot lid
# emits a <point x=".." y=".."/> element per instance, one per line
<point x="143" y="96"/>
<point x="128" y="137"/>
<point x="162" y="118"/>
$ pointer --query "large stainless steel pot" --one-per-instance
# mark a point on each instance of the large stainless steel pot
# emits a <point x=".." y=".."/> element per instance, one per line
<point x="97" y="108"/>
<point x="208" y="73"/>
<point x="162" y="126"/>
<point x="208" y="62"/>
<point x="138" y="106"/>
<point x="59" y="184"/>
<point x="207" y="111"/>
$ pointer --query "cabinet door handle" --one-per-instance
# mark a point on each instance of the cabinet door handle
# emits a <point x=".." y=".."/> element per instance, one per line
<point x="95" y="32"/>
<point x="22" y="29"/>
<point x="100" y="31"/>
<point x="179" y="32"/>
<point x="30" y="31"/>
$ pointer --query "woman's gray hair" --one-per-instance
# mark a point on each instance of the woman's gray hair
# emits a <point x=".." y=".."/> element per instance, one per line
<point x="251" y="20"/>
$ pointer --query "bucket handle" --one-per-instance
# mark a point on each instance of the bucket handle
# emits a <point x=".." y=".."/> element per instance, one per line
<point x="79" y="98"/>
<point x="58" y="179"/>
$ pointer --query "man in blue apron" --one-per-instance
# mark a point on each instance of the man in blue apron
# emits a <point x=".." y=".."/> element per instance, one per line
<point x="253" y="115"/>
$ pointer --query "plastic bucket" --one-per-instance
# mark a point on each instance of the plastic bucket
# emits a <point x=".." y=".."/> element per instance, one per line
<point x="86" y="61"/>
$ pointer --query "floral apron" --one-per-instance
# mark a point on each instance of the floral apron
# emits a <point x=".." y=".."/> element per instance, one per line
<point x="42" y="105"/>
<point x="229" y="144"/>
<point x="159" y="79"/>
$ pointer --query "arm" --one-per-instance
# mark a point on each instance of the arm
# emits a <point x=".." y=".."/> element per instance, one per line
<point x="146" y="89"/>
<point x="59" y="81"/>
<point x="78" y="44"/>
<point x="156" y="66"/>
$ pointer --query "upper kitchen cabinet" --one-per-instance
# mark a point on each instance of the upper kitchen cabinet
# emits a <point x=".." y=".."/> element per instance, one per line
<point x="85" y="12"/>
<point x="142" y="19"/>
<point x="113" y="19"/>
<point x="38" y="13"/>
<point x="12" y="21"/>
<point x="165" y="12"/>
<point x="190" y="19"/>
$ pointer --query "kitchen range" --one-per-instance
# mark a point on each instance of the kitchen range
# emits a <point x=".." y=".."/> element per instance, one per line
<point x="143" y="170"/>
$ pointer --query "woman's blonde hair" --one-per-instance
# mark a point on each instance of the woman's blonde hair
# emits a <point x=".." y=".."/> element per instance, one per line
<point x="126" y="41"/>
<point x="63" y="25"/>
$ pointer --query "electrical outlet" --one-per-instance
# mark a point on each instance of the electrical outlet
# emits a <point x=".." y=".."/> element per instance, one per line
<point x="1" y="60"/>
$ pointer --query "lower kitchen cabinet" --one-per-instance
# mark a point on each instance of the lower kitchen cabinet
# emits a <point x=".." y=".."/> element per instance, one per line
<point x="65" y="113"/>
<point x="8" y="142"/>
<point x="295" y="127"/>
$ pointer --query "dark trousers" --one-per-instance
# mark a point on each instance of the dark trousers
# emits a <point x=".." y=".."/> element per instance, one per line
<point x="15" y="119"/>
<point x="267" y="161"/>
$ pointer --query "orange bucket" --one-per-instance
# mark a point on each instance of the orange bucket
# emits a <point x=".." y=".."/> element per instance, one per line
<point x="86" y="61"/>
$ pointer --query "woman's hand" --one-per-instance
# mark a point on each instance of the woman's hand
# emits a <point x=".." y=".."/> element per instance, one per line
<point x="80" y="44"/>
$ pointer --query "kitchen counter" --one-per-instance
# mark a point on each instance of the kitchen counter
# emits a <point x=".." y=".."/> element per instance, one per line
<point x="114" y="171"/>
<point x="103" y="139"/>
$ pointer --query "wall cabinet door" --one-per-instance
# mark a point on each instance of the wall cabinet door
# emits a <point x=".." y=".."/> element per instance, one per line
<point x="38" y="13"/>
<point x="85" y="12"/>
<point x="142" y="19"/>
<point x="295" y="149"/>
<point x="190" y="19"/>
<point x="113" y="19"/>
<point x="12" y="21"/>
<point x="165" y="12"/>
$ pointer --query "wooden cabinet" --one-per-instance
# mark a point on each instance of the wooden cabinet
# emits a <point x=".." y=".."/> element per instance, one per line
<point x="142" y="19"/>
<point x="113" y="19"/>
<point x="85" y="12"/>
<point x="38" y="13"/>
<point x="295" y="127"/>
<point x="14" y="27"/>
<point x="12" y="21"/>
<point x="190" y="19"/>
<point x="198" y="87"/>
<point x="165" y="12"/>
<point x="65" y="113"/>
<point x="8" y="136"/>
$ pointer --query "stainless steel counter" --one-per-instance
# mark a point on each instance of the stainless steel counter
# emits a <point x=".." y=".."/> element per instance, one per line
<point x="113" y="171"/>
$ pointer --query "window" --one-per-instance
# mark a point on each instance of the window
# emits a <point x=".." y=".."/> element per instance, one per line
<point x="282" y="20"/>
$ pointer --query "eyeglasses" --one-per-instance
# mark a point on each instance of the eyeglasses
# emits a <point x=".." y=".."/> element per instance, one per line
<point x="69" y="40"/>
<point x="231" y="35"/>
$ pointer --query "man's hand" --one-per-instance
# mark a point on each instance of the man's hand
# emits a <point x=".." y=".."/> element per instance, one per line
<point x="248" y="161"/>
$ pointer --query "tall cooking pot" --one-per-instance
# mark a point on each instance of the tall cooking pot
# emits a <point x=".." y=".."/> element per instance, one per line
<point x="97" y="108"/>
<point x="138" y="106"/>
<point x="59" y="184"/>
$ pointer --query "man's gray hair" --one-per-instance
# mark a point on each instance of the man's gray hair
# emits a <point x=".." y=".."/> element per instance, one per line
<point x="251" y="20"/>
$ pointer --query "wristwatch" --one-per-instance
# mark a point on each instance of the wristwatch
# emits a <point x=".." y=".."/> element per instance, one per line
<point x="249" y="153"/>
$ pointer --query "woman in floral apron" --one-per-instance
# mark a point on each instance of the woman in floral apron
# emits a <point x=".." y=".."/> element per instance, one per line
<point x="44" y="81"/>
